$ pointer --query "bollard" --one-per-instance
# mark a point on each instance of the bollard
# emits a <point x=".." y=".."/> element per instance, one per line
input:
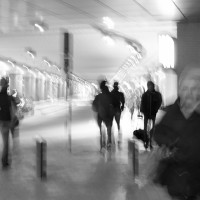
<point x="133" y="152"/>
<point x="41" y="158"/>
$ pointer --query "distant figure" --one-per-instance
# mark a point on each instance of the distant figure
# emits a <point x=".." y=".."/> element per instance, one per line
<point x="179" y="133"/>
<point x="103" y="106"/>
<point x="118" y="103"/>
<point x="150" y="103"/>
<point x="5" y="120"/>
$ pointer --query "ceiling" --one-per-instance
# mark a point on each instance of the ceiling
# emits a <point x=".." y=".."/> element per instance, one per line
<point x="78" y="15"/>
<point x="17" y="15"/>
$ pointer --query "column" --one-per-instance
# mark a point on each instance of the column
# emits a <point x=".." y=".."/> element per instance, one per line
<point x="16" y="82"/>
<point x="27" y="86"/>
<point x="188" y="45"/>
<point x="33" y="88"/>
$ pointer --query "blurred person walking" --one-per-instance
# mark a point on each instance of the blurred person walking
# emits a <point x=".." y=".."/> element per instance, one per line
<point x="118" y="103"/>
<point x="103" y="106"/>
<point x="150" y="103"/>
<point x="5" y="120"/>
<point x="179" y="134"/>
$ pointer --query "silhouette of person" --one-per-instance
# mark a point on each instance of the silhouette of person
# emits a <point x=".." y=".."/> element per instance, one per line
<point x="118" y="103"/>
<point x="5" y="120"/>
<point x="179" y="133"/>
<point x="150" y="103"/>
<point x="103" y="106"/>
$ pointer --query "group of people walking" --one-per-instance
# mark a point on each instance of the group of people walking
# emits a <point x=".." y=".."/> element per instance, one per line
<point x="108" y="105"/>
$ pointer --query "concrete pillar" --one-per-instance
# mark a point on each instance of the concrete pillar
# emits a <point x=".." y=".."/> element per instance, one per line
<point x="27" y="86"/>
<point x="16" y="82"/>
<point x="40" y="88"/>
<point x="188" y="45"/>
<point x="60" y="83"/>
<point x="65" y="90"/>
<point x="33" y="88"/>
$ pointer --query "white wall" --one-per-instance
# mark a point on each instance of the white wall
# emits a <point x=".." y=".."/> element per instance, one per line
<point x="45" y="45"/>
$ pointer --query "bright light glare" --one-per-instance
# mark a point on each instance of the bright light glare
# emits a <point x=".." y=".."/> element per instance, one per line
<point x="47" y="63"/>
<point x="166" y="7"/>
<point x="56" y="67"/>
<point x="20" y="70"/>
<point x="127" y="85"/>
<point x="166" y="51"/>
<point x="161" y="74"/>
<point x="108" y="40"/>
<point x="131" y="49"/>
<point x="3" y="66"/>
<point x="108" y="22"/>
<point x="41" y="29"/>
<point x="31" y="54"/>
<point x="25" y="67"/>
<point x="13" y="65"/>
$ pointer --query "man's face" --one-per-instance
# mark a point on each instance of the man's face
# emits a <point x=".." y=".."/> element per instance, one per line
<point x="189" y="92"/>
<point x="150" y="87"/>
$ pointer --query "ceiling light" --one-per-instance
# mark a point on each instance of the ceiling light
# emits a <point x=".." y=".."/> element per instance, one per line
<point x="47" y="62"/>
<point x="25" y="67"/>
<point x="56" y="67"/>
<point x="41" y="29"/>
<point x="108" y="22"/>
<point x="13" y="65"/>
<point x="39" y="25"/>
<point x="108" y="40"/>
<point x="30" y="52"/>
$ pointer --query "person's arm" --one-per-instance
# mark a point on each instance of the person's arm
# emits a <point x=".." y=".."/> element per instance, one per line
<point x="122" y="101"/>
<point x="142" y="104"/>
<point x="159" y="99"/>
<point x="95" y="104"/>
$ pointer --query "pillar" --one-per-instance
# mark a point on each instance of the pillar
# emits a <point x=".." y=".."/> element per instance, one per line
<point x="188" y="45"/>
<point x="27" y="86"/>
<point x="16" y="82"/>
<point x="33" y="87"/>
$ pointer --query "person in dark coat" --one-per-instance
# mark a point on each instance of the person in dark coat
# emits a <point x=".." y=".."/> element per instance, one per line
<point x="118" y="103"/>
<point x="150" y="103"/>
<point x="179" y="133"/>
<point x="103" y="106"/>
<point x="5" y="120"/>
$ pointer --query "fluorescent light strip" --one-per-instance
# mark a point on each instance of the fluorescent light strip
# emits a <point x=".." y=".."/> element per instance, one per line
<point x="41" y="29"/>
<point x="13" y="65"/>
<point x="28" y="52"/>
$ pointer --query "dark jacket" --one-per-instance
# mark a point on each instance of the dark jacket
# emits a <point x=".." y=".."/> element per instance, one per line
<point x="180" y="172"/>
<point x="150" y="103"/>
<point x="5" y="106"/>
<point x="103" y="105"/>
<point x="118" y="99"/>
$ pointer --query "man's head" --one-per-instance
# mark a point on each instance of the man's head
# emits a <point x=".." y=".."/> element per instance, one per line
<point x="150" y="86"/>
<point x="4" y="83"/>
<point x="103" y="85"/>
<point x="116" y="85"/>
<point x="189" y="88"/>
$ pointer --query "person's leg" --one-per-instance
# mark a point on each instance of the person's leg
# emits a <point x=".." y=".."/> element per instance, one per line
<point x="5" y="137"/>
<point x="152" y="131"/>
<point x="145" y="132"/>
<point x="99" y="122"/>
<point x="117" y="118"/>
<point x="109" y="131"/>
